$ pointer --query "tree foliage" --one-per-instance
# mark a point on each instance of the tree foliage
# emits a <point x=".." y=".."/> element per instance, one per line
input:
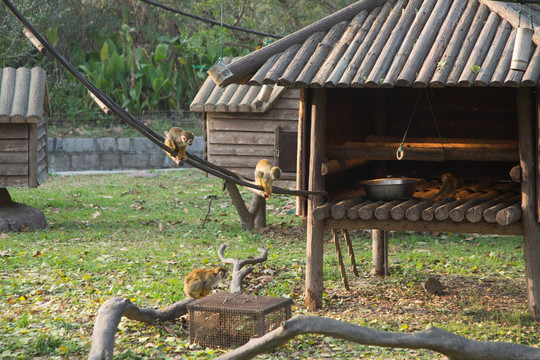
<point x="146" y="58"/>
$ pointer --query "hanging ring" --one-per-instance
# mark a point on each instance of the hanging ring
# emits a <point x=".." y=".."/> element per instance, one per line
<point x="399" y="152"/>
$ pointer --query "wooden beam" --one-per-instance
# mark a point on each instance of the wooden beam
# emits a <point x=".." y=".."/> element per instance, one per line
<point x="241" y="69"/>
<point x="315" y="228"/>
<point x="423" y="226"/>
<point x="527" y="131"/>
<point x="425" y="151"/>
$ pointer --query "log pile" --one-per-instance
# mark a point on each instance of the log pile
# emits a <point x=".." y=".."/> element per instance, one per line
<point x="484" y="201"/>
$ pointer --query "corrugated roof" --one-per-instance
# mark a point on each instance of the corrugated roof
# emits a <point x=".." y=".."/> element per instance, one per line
<point x="233" y="98"/>
<point x="407" y="43"/>
<point x="23" y="95"/>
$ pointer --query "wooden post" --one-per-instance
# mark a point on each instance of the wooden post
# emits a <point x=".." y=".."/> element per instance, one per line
<point x="379" y="238"/>
<point x="301" y="170"/>
<point x="315" y="228"/>
<point x="528" y="150"/>
<point x="380" y="252"/>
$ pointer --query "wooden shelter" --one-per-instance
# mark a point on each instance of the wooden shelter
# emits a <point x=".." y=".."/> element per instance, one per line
<point x="435" y="76"/>
<point x="24" y="104"/>
<point x="244" y="124"/>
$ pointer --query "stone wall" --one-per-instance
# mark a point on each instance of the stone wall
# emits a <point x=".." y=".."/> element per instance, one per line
<point x="84" y="154"/>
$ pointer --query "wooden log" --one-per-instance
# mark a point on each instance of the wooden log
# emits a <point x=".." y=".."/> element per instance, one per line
<point x="242" y="68"/>
<point x="481" y="227"/>
<point x="425" y="151"/>
<point x="366" y="211"/>
<point x="490" y="214"/>
<point x="528" y="120"/>
<point x="439" y="45"/>
<point x="301" y="58"/>
<point x="429" y="213"/>
<point x="385" y="57"/>
<point x="315" y="228"/>
<point x="323" y="212"/>
<point x="280" y="65"/>
<point x="371" y="29"/>
<point x="458" y="213"/>
<point x="380" y="252"/>
<point x="339" y="49"/>
<point x="351" y="251"/>
<point x="509" y="215"/>
<point x="301" y="162"/>
<point x="383" y="212"/>
<point x="339" y="210"/>
<point x="446" y="62"/>
<point x="317" y="58"/>
<point x="478" y="53"/>
<point x="414" y="213"/>
<point x="468" y="44"/>
<point x="425" y="41"/>
<point x="334" y="165"/>
<point x="515" y="174"/>
<point x="493" y="54"/>
<point x="476" y="213"/>
<point x="340" y="260"/>
<point x="498" y="76"/>
<point x="366" y="19"/>
<point x="398" y="211"/>
<point x="409" y="41"/>
<point x="510" y="13"/>
<point x="352" y="213"/>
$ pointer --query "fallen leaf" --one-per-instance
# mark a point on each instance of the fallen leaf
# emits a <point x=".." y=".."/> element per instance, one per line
<point x="37" y="253"/>
<point x="96" y="214"/>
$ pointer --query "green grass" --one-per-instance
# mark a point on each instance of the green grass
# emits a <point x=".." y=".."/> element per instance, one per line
<point x="137" y="237"/>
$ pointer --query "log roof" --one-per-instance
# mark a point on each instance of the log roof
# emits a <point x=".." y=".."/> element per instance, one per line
<point x="23" y="95"/>
<point x="409" y="43"/>
<point x="233" y="98"/>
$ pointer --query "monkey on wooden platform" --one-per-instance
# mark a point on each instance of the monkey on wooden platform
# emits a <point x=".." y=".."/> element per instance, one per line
<point x="265" y="174"/>
<point x="448" y="188"/>
<point x="178" y="140"/>
<point x="199" y="282"/>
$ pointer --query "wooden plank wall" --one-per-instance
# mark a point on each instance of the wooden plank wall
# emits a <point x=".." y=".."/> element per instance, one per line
<point x="237" y="141"/>
<point x="14" y="155"/>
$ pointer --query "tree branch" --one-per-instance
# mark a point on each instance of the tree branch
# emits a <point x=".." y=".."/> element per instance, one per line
<point x="110" y="313"/>
<point x="454" y="346"/>
<point x="238" y="275"/>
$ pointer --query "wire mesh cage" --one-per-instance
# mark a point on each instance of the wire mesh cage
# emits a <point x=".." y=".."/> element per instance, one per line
<point x="226" y="320"/>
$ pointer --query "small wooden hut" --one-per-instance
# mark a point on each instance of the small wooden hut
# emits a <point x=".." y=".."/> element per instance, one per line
<point x="24" y="104"/>
<point x="444" y="68"/>
<point x="244" y="124"/>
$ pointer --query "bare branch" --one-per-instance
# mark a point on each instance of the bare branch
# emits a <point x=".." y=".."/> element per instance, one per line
<point x="238" y="275"/>
<point x="444" y="342"/>
<point x="110" y="313"/>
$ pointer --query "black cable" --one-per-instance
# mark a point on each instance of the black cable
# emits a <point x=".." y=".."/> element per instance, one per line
<point x="209" y="21"/>
<point x="137" y="124"/>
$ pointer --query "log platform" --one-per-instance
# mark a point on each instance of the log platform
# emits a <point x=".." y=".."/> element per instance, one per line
<point x="483" y="208"/>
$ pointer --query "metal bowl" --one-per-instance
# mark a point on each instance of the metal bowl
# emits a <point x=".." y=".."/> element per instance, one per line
<point x="390" y="188"/>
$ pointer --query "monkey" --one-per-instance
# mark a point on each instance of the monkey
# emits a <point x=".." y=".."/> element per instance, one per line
<point x="178" y="139"/>
<point x="265" y="174"/>
<point x="449" y="187"/>
<point x="199" y="282"/>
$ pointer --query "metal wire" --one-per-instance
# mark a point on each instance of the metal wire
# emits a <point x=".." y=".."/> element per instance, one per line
<point x="209" y="21"/>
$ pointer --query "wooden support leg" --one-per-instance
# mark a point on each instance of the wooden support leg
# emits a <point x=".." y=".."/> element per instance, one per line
<point x="340" y="260"/>
<point x="315" y="228"/>
<point x="527" y="129"/>
<point x="351" y="251"/>
<point x="380" y="252"/>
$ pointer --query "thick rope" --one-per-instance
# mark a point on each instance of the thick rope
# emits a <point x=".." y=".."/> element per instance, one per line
<point x="150" y="134"/>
